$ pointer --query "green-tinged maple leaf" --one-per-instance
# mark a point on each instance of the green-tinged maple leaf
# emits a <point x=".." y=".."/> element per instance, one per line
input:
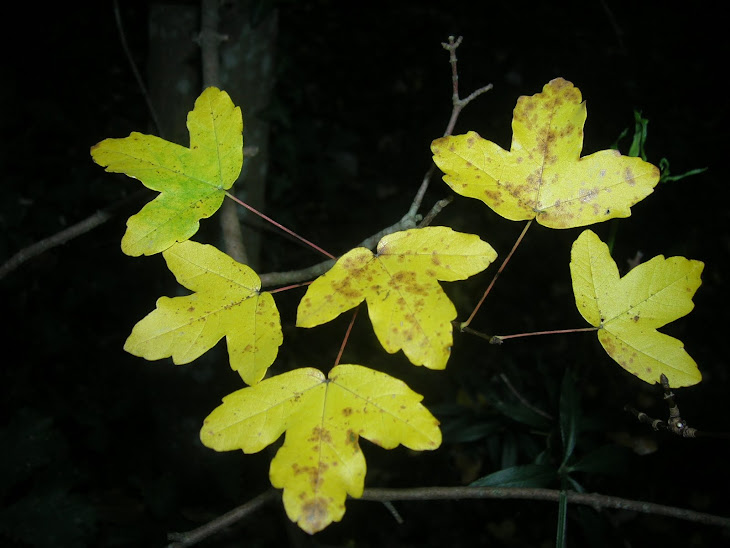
<point x="543" y="177"/>
<point x="227" y="302"/>
<point x="192" y="181"/>
<point x="321" y="462"/>
<point x="628" y="310"/>
<point x="407" y="306"/>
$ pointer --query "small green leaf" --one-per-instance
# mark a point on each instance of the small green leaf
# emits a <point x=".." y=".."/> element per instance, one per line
<point x="665" y="176"/>
<point x="518" y="412"/>
<point x="609" y="459"/>
<point x="459" y="432"/>
<point x="526" y="475"/>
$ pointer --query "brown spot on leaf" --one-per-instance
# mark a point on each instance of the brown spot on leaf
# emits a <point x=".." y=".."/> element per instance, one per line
<point x="347" y="411"/>
<point x="315" y="516"/>
<point x="351" y="438"/>
<point x="320" y="434"/>
<point x="629" y="176"/>
<point x="493" y="197"/>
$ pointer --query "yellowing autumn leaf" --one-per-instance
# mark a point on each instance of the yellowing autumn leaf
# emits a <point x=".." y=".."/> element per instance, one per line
<point x="543" y="177"/>
<point x="227" y="303"/>
<point x="407" y="307"/>
<point x="628" y="310"/>
<point x="192" y="181"/>
<point x="321" y="462"/>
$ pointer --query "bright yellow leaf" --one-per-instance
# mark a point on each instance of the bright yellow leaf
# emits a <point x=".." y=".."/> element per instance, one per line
<point x="227" y="302"/>
<point x="321" y="462"/>
<point x="192" y="181"/>
<point x="407" y="307"/>
<point x="543" y="177"/>
<point x="628" y="310"/>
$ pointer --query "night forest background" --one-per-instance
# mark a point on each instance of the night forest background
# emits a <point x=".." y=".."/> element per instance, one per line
<point x="100" y="448"/>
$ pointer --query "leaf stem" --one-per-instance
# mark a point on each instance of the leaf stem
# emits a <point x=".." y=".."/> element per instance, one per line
<point x="501" y="268"/>
<point x="280" y="226"/>
<point x="497" y="339"/>
<point x="288" y="287"/>
<point x="347" y="336"/>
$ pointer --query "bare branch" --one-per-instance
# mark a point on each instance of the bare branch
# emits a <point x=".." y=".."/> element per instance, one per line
<point x="387" y="496"/>
<point x="193" y="537"/>
<point x="65" y="235"/>
<point x="675" y="424"/>
<point x="589" y="499"/>
<point x="458" y="104"/>
<point x="411" y="218"/>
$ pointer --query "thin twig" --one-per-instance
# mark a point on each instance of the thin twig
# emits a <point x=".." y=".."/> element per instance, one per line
<point x="589" y="499"/>
<point x="135" y="70"/>
<point x="675" y="424"/>
<point x="193" y="537"/>
<point x="522" y="399"/>
<point x="411" y="218"/>
<point x="102" y="216"/>
<point x="25" y="254"/>
<point x="458" y="104"/>
<point x="435" y="210"/>
<point x="387" y="496"/>
<point x="66" y="235"/>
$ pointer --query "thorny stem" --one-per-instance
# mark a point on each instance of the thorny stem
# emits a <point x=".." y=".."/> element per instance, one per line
<point x="282" y="227"/>
<point x="595" y="500"/>
<point x="465" y="324"/>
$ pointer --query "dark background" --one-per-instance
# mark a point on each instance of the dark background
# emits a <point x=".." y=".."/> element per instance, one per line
<point x="100" y="448"/>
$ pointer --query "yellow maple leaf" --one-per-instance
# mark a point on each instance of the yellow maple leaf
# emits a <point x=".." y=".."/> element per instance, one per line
<point x="320" y="462"/>
<point x="543" y="177"/>
<point x="192" y="181"/>
<point x="628" y="310"/>
<point x="407" y="306"/>
<point x="227" y="303"/>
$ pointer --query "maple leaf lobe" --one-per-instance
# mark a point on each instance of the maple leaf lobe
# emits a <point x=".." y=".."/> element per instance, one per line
<point x="542" y="176"/>
<point x="629" y="309"/>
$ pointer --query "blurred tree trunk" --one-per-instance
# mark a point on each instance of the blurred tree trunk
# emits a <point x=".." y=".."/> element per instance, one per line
<point x="246" y="73"/>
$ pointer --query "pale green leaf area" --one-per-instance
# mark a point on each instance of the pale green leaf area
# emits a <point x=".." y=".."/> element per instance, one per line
<point x="192" y="181"/>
